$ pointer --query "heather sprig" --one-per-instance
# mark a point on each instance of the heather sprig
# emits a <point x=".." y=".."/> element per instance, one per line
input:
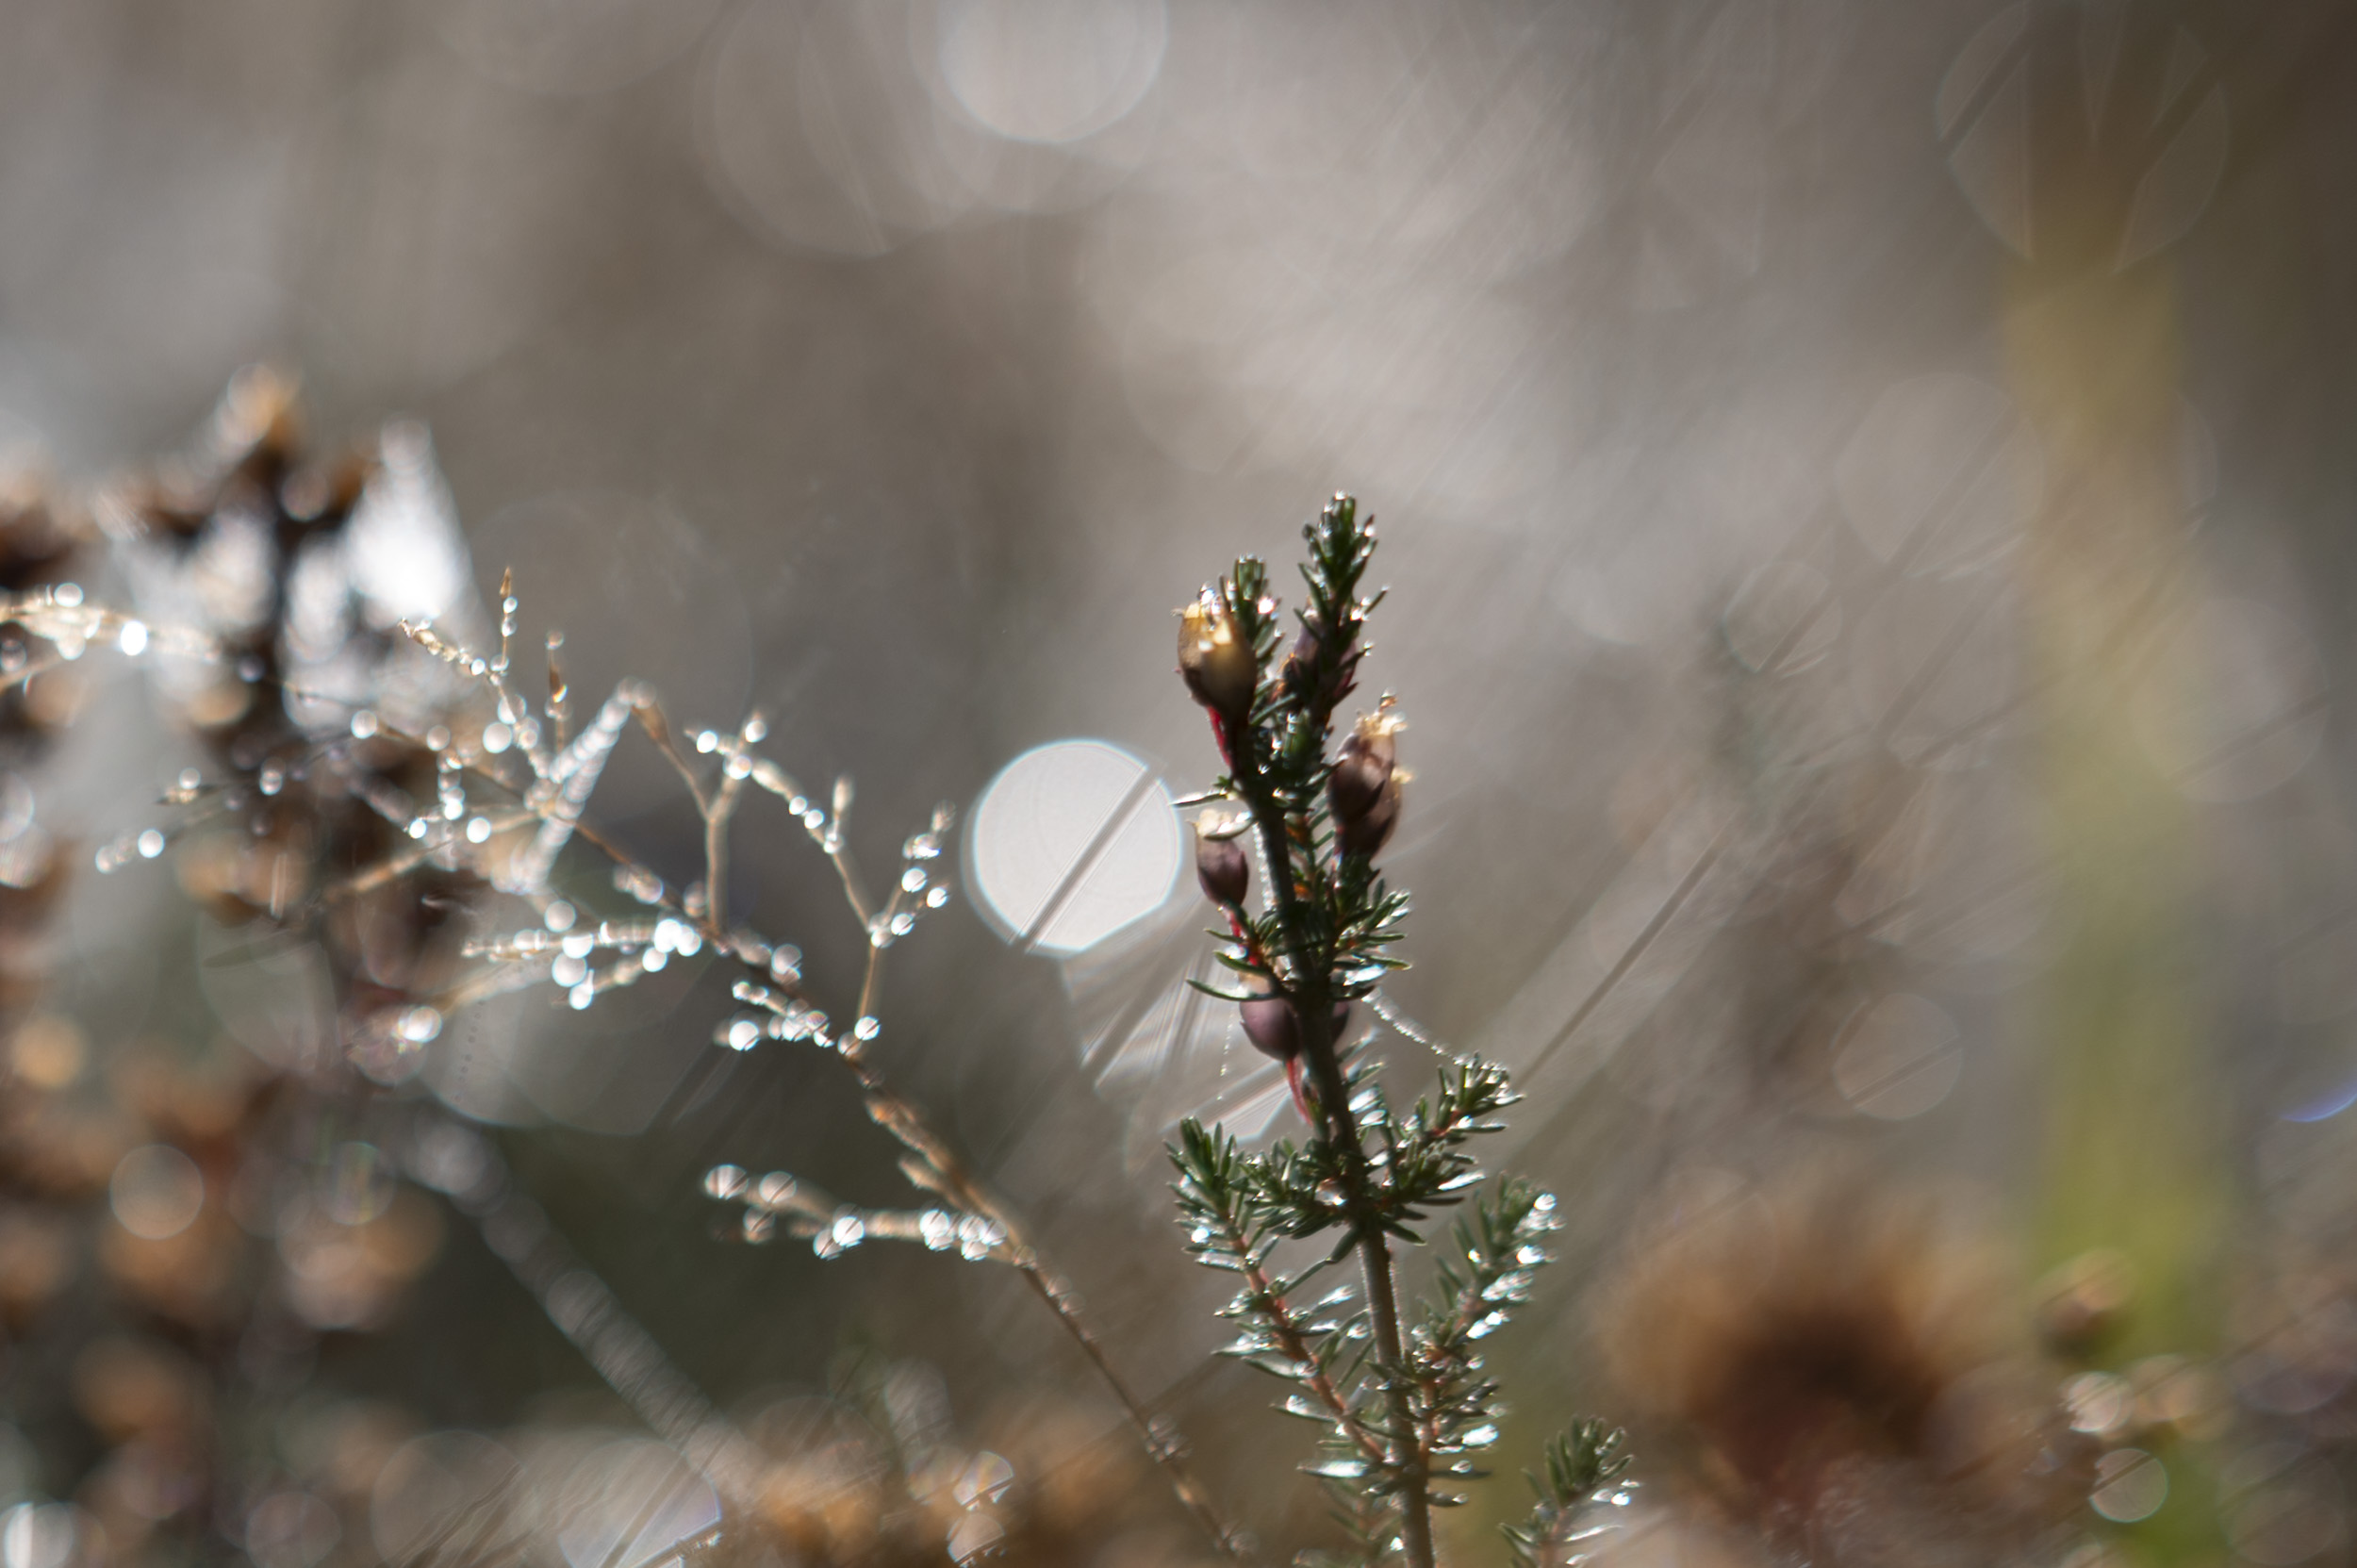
<point x="1404" y="1403"/>
<point x="1585" y="1466"/>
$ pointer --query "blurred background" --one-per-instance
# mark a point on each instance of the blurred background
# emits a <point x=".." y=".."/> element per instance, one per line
<point x="1864" y="489"/>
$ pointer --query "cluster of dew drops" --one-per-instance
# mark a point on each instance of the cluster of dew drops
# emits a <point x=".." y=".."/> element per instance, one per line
<point x="765" y="1198"/>
<point x="785" y="1015"/>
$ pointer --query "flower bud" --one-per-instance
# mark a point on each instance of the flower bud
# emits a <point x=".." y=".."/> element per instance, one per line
<point x="1221" y="863"/>
<point x="1273" y="1026"/>
<point x="1364" y="778"/>
<point x="1214" y="660"/>
<point x="1269" y="1025"/>
<point x="1367" y="832"/>
<point x="1301" y="676"/>
<point x="1299" y="664"/>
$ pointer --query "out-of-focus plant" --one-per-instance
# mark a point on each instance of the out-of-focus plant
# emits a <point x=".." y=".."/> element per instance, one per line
<point x="378" y="773"/>
<point x="1401" y="1396"/>
<point x="385" y="791"/>
<point x="1842" y="1369"/>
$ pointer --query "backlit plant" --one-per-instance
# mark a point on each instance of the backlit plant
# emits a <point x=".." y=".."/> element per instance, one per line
<point x="1398" y="1388"/>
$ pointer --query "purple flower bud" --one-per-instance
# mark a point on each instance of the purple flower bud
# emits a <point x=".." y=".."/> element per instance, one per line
<point x="1301" y="677"/>
<point x="1221" y="863"/>
<point x="1269" y="1025"/>
<point x="1366" y="833"/>
<point x="1363" y="766"/>
<point x="1213" y="659"/>
<point x="1296" y="675"/>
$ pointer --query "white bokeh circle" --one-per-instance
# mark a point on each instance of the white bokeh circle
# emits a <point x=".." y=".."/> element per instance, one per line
<point x="1071" y="842"/>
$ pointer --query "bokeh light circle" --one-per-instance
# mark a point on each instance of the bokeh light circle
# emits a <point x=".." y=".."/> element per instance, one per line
<point x="1071" y="842"/>
<point x="1897" y="1057"/>
<point x="429" y="1484"/>
<point x="630" y="1501"/>
<point x="1051" y="70"/>
<point x="157" y="1192"/>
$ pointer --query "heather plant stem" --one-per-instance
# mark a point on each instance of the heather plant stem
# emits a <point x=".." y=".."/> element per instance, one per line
<point x="1310" y="986"/>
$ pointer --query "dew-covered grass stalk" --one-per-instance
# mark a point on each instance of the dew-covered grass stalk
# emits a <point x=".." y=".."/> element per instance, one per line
<point x="511" y="788"/>
<point x="973" y="1219"/>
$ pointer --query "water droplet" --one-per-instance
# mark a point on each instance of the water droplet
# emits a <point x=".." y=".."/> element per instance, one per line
<point x="579" y="944"/>
<point x="937" y="898"/>
<point x="939" y="1229"/>
<point x="756" y="730"/>
<point x="985" y="1480"/>
<point x="653" y="959"/>
<point x="68" y="594"/>
<point x="925" y="846"/>
<point x="976" y="1237"/>
<point x="150" y="843"/>
<point x="191" y="780"/>
<point x="974" y="1535"/>
<point x="363" y="724"/>
<point x="785" y="962"/>
<point x="132" y="639"/>
<point x="866" y="1029"/>
<point x="903" y="923"/>
<point x="568" y="971"/>
<point x="420" y="1024"/>
<point x="744" y="1034"/>
<point x="738" y="766"/>
<point x="582" y="995"/>
<point x="478" y="829"/>
<point x="759" y="1225"/>
<point x="849" y="1230"/>
<point x="724" y="1182"/>
<point x="706" y="741"/>
<point x="418" y="827"/>
<point x="913" y="880"/>
<point x="558" y="916"/>
<point x="272" y="779"/>
<point x="497" y="737"/>
<point x="437" y="739"/>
